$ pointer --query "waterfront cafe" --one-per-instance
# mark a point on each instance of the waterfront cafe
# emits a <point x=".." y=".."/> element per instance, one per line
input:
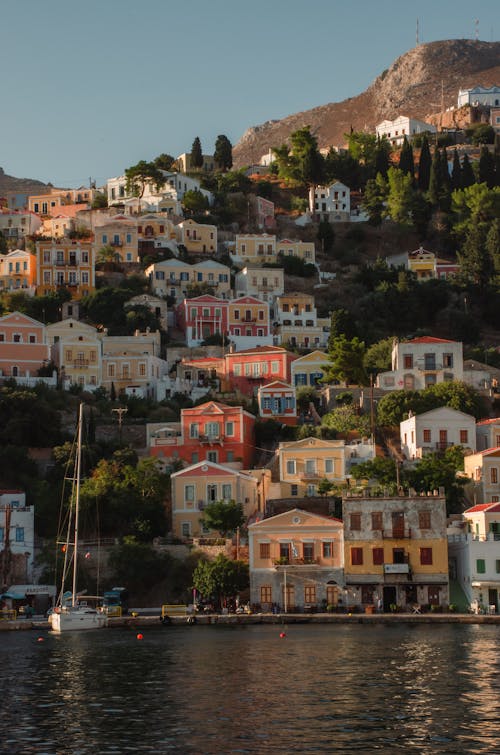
<point x="37" y="597"/>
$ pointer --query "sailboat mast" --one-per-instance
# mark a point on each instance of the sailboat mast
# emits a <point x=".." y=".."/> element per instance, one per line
<point x="77" y="502"/>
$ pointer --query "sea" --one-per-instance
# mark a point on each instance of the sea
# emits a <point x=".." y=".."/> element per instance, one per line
<point x="252" y="689"/>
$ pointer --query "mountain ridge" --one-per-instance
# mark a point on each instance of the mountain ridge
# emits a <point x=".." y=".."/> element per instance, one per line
<point x="415" y="84"/>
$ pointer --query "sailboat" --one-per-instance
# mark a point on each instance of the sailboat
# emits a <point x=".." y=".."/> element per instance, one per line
<point x="71" y="612"/>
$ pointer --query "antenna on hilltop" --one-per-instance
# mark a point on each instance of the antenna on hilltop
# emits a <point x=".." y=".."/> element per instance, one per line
<point x="416" y="35"/>
<point x="476" y="29"/>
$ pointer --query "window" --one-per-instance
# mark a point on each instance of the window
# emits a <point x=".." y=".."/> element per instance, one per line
<point x="427" y="435"/>
<point x="195" y="457"/>
<point x="32" y="339"/>
<point x="211" y="493"/>
<point x="2" y="531"/>
<point x="189" y="493"/>
<point x="229" y="428"/>
<point x="285" y="550"/>
<point x="356" y="556"/>
<point x="212" y="456"/>
<point x="294" y="489"/>
<point x="426" y="556"/>
<point x="265" y="550"/>
<point x="227" y="490"/>
<point x="266" y="594"/>
<point x="19" y="534"/>
<point x="186" y="529"/>
<point x="329" y="468"/>
<point x="194" y="430"/>
<point x="212" y="429"/>
<point x="464" y="436"/>
<point x="424" y="520"/>
<point x="447" y="360"/>
<point x="376" y="520"/>
<point x="355" y="520"/>
<point x="308" y="551"/>
<point x="497" y="565"/>
<point x="311" y="490"/>
<point x="494" y="475"/>
<point x="480" y="566"/>
<point x="111" y="370"/>
<point x="275" y="368"/>
<point x="327" y="550"/>
<point x="310" y="467"/>
<point x="290" y="466"/>
<point x="309" y="594"/>
<point x="408" y="361"/>
<point x="378" y="556"/>
<point x="17" y="338"/>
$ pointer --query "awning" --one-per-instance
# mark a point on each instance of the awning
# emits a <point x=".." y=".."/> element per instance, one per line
<point x="13" y="596"/>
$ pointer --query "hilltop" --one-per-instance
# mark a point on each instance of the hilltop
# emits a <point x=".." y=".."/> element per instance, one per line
<point x="415" y="84"/>
<point x="21" y="185"/>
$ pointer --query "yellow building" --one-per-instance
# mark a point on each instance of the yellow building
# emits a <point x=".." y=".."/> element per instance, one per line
<point x="206" y="482"/>
<point x="198" y="238"/>
<point x="422" y="263"/>
<point x="304" y="463"/>
<point x="121" y="234"/>
<point x="296" y="561"/>
<point x="255" y="248"/>
<point x="65" y="264"/>
<point x="309" y="369"/>
<point x="18" y="271"/>
<point x="396" y="552"/>
<point x="303" y="249"/>
<point x="76" y="350"/>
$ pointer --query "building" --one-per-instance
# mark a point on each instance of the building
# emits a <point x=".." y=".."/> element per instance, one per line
<point x="277" y="401"/>
<point x="296" y="562"/>
<point x="155" y="304"/>
<point x="121" y="234"/>
<point x="246" y="370"/>
<point x="212" y="432"/>
<point x="483" y="468"/>
<point x="202" y="317"/>
<point x="488" y="434"/>
<point x="303" y="249"/>
<point x="206" y="482"/>
<point x="422" y="362"/>
<point x="16" y="225"/>
<point x="303" y="464"/>
<point x="297" y="322"/>
<point x="309" y="369"/>
<point x="198" y="238"/>
<point x="395" y="552"/>
<point x="17" y="534"/>
<point x="478" y="95"/>
<point x="23" y="348"/>
<point x="183" y="163"/>
<point x="495" y="118"/>
<point x="333" y="203"/>
<point x="18" y="271"/>
<point x="263" y="213"/>
<point x="177" y="279"/>
<point x="156" y="235"/>
<point x="474" y="552"/>
<point x="396" y="130"/>
<point x="133" y="364"/>
<point x="262" y="282"/>
<point x="248" y="323"/>
<point x="437" y="430"/>
<point x="253" y="249"/>
<point x="65" y="264"/>
<point x="75" y="349"/>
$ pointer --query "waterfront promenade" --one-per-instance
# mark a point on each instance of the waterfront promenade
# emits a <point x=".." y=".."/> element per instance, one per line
<point x="154" y="621"/>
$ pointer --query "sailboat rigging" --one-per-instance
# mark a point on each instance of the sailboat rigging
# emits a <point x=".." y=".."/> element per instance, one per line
<point x="72" y="613"/>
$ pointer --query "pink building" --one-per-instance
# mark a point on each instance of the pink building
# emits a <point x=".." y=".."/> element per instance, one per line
<point x="202" y="317"/>
<point x="23" y="349"/>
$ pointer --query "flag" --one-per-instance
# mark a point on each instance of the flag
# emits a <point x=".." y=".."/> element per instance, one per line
<point x="295" y="552"/>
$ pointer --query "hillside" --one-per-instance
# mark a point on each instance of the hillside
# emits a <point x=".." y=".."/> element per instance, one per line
<point x="20" y="185"/>
<point x="415" y="84"/>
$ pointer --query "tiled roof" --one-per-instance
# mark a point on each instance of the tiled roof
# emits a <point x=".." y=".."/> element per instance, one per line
<point x="430" y="339"/>
<point x="491" y="508"/>
<point x="488" y="421"/>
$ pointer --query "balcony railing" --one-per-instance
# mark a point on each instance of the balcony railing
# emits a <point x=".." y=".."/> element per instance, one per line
<point x="211" y="438"/>
<point x="397" y="533"/>
<point x="284" y="561"/>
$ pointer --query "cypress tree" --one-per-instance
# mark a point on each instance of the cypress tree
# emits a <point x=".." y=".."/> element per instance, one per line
<point x="475" y="261"/>
<point x="381" y="164"/>
<point x="406" y="163"/>
<point x="435" y="178"/>
<point x="424" y="165"/>
<point x="468" y="177"/>
<point x="456" y="173"/>
<point x="486" y="167"/>
<point x="445" y="193"/>
<point x="196" y="154"/>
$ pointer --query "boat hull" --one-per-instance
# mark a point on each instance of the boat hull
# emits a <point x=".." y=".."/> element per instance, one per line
<point x="77" y="619"/>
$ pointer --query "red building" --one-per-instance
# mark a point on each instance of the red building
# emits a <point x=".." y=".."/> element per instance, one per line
<point x="247" y="370"/>
<point x="213" y="432"/>
<point x="202" y="317"/>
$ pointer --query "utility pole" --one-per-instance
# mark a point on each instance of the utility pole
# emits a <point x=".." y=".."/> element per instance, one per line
<point x="120" y="412"/>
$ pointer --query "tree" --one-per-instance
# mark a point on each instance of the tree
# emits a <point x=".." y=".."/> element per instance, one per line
<point x="382" y="469"/>
<point x="406" y="163"/>
<point x="224" y="517"/>
<point x="302" y="161"/>
<point x="435" y="185"/>
<point x="196" y="154"/>
<point x="381" y="162"/>
<point x="492" y="245"/>
<point x="3" y="244"/>
<point x="220" y="579"/>
<point x="341" y="324"/>
<point x="223" y="154"/>
<point x="325" y="236"/>
<point x="456" y="173"/>
<point x="347" y="361"/>
<point x="439" y="470"/>
<point x="107" y="256"/>
<point x="375" y="199"/>
<point x="164" y="161"/>
<point x="100" y="201"/>
<point x="487" y="168"/>
<point x="481" y="133"/>
<point x="468" y="177"/>
<point x="378" y="356"/>
<point x="424" y="165"/>
<point x="476" y="265"/>
<point x="400" y="197"/>
<point x="194" y="201"/>
<point x="140" y="175"/>
<point x="344" y="419"/>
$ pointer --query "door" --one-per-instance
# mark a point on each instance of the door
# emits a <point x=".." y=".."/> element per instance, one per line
<point x="398" y="524"/>
<point x="389" y="597"/>
<point x="433" y="594"/>
<point x="493" y="598"/>
<point x="290" y="597"/>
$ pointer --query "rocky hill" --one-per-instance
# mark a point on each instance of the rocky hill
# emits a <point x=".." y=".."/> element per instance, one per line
<point x="20" y="185"/>
<point x="415" y="84"/>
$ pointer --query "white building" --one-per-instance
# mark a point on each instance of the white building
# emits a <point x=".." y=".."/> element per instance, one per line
<point x="474" y="552"/>
<point x="488" y="434"/>
<point x="486" y="96"/>
<point x="396" y="130"/>
<point x="333" y="203"/>
<point x="422" y="362"/>
<point x="17" y="532"/>
<point x="437" y="430"/>
<point x="263" y="282"/>
<point x="175" y="186"/>
<point x="173" y="277"/>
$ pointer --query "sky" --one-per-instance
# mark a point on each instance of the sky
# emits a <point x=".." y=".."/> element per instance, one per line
<point x="90" y="87"/>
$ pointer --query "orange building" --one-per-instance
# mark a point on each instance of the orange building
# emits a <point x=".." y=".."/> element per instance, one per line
<point x="65" y="264"/>
<point x="23" y="349"/>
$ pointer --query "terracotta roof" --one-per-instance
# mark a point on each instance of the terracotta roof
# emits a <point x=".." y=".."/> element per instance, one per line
<point x="430" y="339"/>
<point x="492" y="508"/>
<point x="488" y="421"/>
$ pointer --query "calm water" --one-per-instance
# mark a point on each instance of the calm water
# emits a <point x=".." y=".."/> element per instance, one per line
<point x="244" y="690"/>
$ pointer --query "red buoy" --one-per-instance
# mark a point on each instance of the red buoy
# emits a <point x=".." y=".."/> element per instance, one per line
<point x="40" y="639"/>
<point x="140" y="636"/>
<point x="282" y="635"/>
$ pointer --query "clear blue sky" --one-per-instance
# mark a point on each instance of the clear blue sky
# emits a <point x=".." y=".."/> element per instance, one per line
<point x="90" y="87"/>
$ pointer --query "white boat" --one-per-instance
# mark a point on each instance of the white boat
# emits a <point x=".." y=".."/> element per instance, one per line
<point x="71" y="612"/>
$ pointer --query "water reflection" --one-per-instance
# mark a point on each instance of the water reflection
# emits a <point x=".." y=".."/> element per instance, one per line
<point x="244" y="690"/>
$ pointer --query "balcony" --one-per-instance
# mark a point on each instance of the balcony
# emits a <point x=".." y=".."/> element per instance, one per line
<point x="116" y="243"/>
<point x="311" y="476"/>
<point x="211" y="439"/>
<point x="248" y="319"/>
<point x="81" y="364"/>
<point x="285" y="562"/>
<point x="397" y="533"/>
